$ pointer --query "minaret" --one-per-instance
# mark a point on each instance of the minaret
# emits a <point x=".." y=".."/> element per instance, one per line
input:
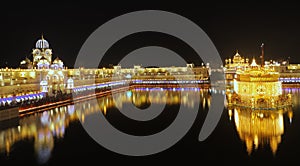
<point x="262" y="55"/>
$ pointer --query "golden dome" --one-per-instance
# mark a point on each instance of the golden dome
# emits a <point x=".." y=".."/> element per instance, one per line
<point x="237" y="58"/>
<point x="57" y="60"/>
<point x="253" y="64"/>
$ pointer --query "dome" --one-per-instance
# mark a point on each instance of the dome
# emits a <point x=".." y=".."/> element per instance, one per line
<point x="42" y="43"/>
<point x="237" y="58"/>
<point x="57" y="64"/>
<point x="253" y="64"/>
<point x="57" y="60"/>
<point x="25" y="61"/>
<point x="237" y="54"/>
<point x="70" y="81"/>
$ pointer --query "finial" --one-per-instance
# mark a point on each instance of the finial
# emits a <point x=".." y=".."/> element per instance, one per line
<point x="42" y="36"/>
<point x="237" y="51"/>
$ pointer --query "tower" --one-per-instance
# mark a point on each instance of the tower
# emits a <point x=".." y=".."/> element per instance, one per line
<point x="42" y="52"/>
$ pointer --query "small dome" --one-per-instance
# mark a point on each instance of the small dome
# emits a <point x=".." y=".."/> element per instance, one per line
<point x="57" y="60"/>
<point x="237" y="58"/>
<point x="237" y="54"/>
<point x="42" y="43"/>
<point x="253" y="64"/>
<point x="70" y="81"/>
<point x="25" y="61"/>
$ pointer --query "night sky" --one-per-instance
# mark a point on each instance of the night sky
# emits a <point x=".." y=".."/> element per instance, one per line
<point x="231" y="26"/>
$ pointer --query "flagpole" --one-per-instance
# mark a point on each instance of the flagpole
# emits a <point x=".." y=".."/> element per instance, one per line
<point x="262" y="55"/>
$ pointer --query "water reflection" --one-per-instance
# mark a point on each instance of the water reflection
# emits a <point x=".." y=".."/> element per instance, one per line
<point x="262" y="128"/>
<point x="41" y="128"/>
<point x="44" y="128"/>
<point x="256" y="129"/>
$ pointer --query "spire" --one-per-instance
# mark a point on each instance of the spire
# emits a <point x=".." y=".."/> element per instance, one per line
<point x="42" y="36"/>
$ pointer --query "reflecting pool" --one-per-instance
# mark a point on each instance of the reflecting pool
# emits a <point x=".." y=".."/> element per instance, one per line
<point x="56" y="136"/>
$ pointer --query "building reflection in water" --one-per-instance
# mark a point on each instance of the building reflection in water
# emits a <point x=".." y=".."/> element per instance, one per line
<point x="256" y="128"/>
<point x="261" y="128"/>
<point x="43" y="128"/>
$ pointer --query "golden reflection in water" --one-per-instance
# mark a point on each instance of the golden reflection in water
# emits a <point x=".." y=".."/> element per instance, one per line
<point x="260" y="128"/>
<point x="43" y="128"/>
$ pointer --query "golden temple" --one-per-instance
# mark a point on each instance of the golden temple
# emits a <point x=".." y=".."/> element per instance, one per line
<point x="258" y="87"/>
<point x="257" y="103"/>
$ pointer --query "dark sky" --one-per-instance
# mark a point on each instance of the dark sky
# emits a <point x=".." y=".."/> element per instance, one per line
<point x="230" y="25"/>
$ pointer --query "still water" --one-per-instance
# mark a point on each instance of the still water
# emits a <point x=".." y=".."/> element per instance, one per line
<point x="57" y="137"/>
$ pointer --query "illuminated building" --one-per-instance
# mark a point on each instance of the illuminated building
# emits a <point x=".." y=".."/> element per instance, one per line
<point x="259" y="87"/>
<point x="236" y="63"/>
<point x="289" y="74"/>
<point x="43" y="74"/>
<point x="257" y="102"/>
